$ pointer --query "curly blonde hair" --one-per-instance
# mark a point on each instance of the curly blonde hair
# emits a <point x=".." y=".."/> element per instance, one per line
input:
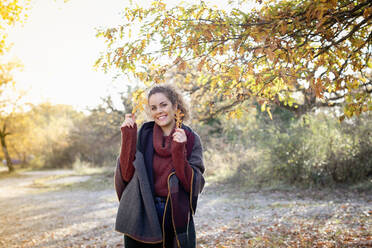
<point x="174" y="96"/>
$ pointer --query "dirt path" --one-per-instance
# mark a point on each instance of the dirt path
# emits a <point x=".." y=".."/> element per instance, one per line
<point x="64" y="209"/>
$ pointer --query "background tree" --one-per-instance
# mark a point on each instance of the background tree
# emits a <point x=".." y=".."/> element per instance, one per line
<point x="48" y="133"/>
<point x="11" y="12"/>
<point x="96" y="137"/>
<point x="320" y="49"/>
<point x="8" y="108"/>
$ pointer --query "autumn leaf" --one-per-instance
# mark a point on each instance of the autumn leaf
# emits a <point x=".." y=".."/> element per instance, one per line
<point x="179" y="118"/>
<point x="182" y="66"/>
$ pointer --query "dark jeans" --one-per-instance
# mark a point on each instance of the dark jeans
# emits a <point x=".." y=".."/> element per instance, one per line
<point x="160" y="206"/>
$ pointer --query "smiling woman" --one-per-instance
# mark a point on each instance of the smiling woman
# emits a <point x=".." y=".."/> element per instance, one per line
<point x="163" y="102"/>
<point x="162" y="111"/>
<point x="159" y="176"/>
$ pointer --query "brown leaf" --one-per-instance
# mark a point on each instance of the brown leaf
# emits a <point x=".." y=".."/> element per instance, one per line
<point x="178" y="59"/>
<point x="182" y="66"/>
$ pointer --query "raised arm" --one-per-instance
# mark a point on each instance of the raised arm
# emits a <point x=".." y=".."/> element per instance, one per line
<point x="128" y="147"/>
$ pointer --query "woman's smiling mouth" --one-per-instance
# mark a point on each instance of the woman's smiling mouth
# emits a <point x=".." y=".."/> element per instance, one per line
<point x="162" y="117"/>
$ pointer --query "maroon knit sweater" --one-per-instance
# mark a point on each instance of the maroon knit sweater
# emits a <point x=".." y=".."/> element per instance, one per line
<point x="168" y="155"/>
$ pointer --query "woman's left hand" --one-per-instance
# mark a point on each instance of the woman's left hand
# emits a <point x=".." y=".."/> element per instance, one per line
<point x="179" y="135"/>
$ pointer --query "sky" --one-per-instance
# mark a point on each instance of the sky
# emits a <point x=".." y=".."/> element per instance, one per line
<point x="58" y="47"/>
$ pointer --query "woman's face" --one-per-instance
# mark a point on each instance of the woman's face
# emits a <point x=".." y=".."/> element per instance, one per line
<point x="162" y="110"/>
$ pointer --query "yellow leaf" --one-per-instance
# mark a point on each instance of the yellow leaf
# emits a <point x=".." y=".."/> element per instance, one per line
<point x="367" y="12"/>
<point x="188" y="78"/>
<point x="235" y="73"/>
<point x="241" y="50"/>
<point x="269" y="112"/>
<point x="263" y="107"/>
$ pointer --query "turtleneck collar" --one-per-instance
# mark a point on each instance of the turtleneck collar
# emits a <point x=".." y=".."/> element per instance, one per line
<point x="162" y="144"/>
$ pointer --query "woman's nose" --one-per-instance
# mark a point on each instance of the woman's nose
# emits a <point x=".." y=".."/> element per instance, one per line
<point x="158" y="110"/>
<point x="161" y="109"/>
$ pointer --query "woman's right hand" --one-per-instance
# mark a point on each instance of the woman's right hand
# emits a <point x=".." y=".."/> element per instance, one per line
<point x="129" y="121"/>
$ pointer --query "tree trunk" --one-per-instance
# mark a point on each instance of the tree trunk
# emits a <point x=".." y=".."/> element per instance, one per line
<point x="6" y="154"/>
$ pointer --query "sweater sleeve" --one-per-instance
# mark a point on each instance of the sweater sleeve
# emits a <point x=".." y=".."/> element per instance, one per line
<point x="127" y="152"/>
<point x="181" y="166"/>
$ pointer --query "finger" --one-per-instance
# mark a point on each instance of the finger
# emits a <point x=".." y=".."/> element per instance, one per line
<point x="180" y="130"/>
<point x="180" y="133"/>
<point x="124" y="124"/>
<point x="128" y="123"/>
<point x="176" y="136"/>
<point x="179" y="138"/>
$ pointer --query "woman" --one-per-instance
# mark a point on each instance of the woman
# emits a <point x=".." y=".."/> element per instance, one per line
<point x="159" y="176"/>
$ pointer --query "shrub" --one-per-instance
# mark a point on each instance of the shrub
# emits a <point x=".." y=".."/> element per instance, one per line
<point x="315" y="149"/>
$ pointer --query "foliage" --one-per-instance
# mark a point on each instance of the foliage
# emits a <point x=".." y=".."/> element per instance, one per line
<point x="318" y="150"/>
<point x="11" y="12"/>
<point x="319" y="48"/>
<point x="8" y="107"/>
<point x="39" y="135"/>
<point x="48" y="127"/>
<point x="6" y="78"/>
<point x="96" y="137"/>
<point x="314" y="150"/>
<point x="57" y="136"/>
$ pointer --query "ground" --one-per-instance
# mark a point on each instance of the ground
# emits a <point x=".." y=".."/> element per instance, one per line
<point x="66" y="208"/>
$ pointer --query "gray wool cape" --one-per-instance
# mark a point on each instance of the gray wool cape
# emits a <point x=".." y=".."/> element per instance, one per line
<point x="137" y="216"/>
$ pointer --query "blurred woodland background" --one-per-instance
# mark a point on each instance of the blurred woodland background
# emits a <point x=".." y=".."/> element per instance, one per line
<point x="252" y="150"/>
<point x="279" y="90"/>
<point x="280" y="94"/>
